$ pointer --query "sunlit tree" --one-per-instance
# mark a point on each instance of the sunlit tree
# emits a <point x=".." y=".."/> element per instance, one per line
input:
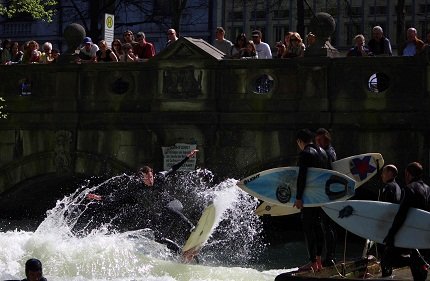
<point x="38" y="9"/>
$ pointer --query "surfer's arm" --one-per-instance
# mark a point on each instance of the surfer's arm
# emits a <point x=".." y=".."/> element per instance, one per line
<point x="303" y="163"/>
<point x="176" y="166"/>
<point x="398" y="221"/>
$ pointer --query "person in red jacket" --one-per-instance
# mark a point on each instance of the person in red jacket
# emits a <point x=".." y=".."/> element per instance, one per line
<point x="143" y="49"/>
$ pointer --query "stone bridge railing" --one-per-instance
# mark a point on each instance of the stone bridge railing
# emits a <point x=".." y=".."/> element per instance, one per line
<point x="93" y="119"/>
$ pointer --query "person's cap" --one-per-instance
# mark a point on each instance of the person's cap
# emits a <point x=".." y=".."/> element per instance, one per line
<point x="33" y="265"/>
<point x="87" y="40"/>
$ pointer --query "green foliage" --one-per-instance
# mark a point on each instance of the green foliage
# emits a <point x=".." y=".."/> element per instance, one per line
<point x="38" y="9"/>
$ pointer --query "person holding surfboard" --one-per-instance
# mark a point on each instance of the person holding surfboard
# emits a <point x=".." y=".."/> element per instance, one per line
<point x="314" y="156"/>
<point x="323" y="140"/>
<point x="390" y="193"/>
<point x="416" y="195"/>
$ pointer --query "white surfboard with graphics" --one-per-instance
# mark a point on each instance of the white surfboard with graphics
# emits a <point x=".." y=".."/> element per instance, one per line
<point x="373" y="219"/>
<point x="360" y="167"/>
<point x="279" y="186"/>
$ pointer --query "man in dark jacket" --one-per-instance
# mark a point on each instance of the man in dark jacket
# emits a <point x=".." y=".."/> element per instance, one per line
<point x="314" y="156"/>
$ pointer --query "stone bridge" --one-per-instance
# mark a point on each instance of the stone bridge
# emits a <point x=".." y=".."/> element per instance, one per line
<point x="73" y="121"/>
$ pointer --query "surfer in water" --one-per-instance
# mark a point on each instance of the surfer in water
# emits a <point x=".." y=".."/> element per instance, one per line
<point x="148" y="205"/>
<point x="416" y="195"/>
<point x="33" y="270"/>
<point x="311" y="155"/>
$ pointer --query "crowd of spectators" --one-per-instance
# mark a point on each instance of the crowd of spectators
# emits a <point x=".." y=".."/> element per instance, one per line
<point x="135" y="48"/>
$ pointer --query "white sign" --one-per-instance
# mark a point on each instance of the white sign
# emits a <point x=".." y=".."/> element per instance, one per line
<point x="174" y="154"/>
<point x="109" y="27"/>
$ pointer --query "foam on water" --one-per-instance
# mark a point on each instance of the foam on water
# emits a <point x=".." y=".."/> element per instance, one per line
<point x="104" y="253"/>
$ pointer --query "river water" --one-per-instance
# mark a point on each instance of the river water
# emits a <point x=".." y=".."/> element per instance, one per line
<point x="235" y="251"/>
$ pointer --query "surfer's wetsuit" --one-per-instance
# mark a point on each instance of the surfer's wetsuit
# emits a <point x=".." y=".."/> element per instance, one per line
<point x="327" y="224"/>
<point x="312" y="156"/>
<point x="391" y="192"/>
<point x="137" y="206"/>
<point x="416" y="195"/>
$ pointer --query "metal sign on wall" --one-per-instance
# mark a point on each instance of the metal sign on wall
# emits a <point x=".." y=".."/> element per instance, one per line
<point x="175" y="153"/>
<point x="109" y="27"/>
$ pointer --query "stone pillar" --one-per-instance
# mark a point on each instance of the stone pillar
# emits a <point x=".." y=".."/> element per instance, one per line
<point x="323" y="26"/>
<point x="74" y="35"/>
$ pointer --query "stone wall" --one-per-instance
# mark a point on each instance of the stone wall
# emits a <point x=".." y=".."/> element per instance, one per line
<point x="105" y="119"/>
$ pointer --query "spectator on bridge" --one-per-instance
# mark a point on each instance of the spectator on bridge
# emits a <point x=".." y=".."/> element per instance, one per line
<point x="379" y="44"/>
<point x="128" y="55"/>
<point x="55" y="55"/>
<point x="250" y="52"/>
<point x="221" y="43"/>
<point x="281" y="46"/>
<point x="295" y="48"/>
<point x="117" y="48"/>
<point x="104" y="54"/>
<point x="16" y="55"/>
<point x="171" y="36"/>
<point x="239" y="46"/>
<point x="262" y="48"/>
<point x="31" y="52"/>
<point x="46" y="56"/>
<point x="6" y="51"/>
<point x="88" y="53"/>
<point x="413" y="46"/>
<point x="143" y="49"/>
<point x="129" y="37"/>
<point x="359" y="50"/>
<point x="310" y="39"/>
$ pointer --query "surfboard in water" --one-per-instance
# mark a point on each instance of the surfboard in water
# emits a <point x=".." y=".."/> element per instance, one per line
<point x="200" y="235"/>
<point x="361" y="168"/>
<point x="373" y="219"/>
<point x="279" y="186"/>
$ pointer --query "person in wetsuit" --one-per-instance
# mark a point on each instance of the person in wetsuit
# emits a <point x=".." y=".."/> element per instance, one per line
<point x="416" y="195"/>
<point x="33" y="270"/>
<point x="146" y="204"/>
<point x="323" y="140"/>
<point x="390" y="192"/>
<point x="314" y="156"/>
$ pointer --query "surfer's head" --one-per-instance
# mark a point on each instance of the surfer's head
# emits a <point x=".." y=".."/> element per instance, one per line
<point x="146" y="175"/>
<point x="33" y="270"/>
<point x="303" y="138"/>
<point x="389" y="172"/>
<point x="414" y="171"/>
<point x="322" y="138"/>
